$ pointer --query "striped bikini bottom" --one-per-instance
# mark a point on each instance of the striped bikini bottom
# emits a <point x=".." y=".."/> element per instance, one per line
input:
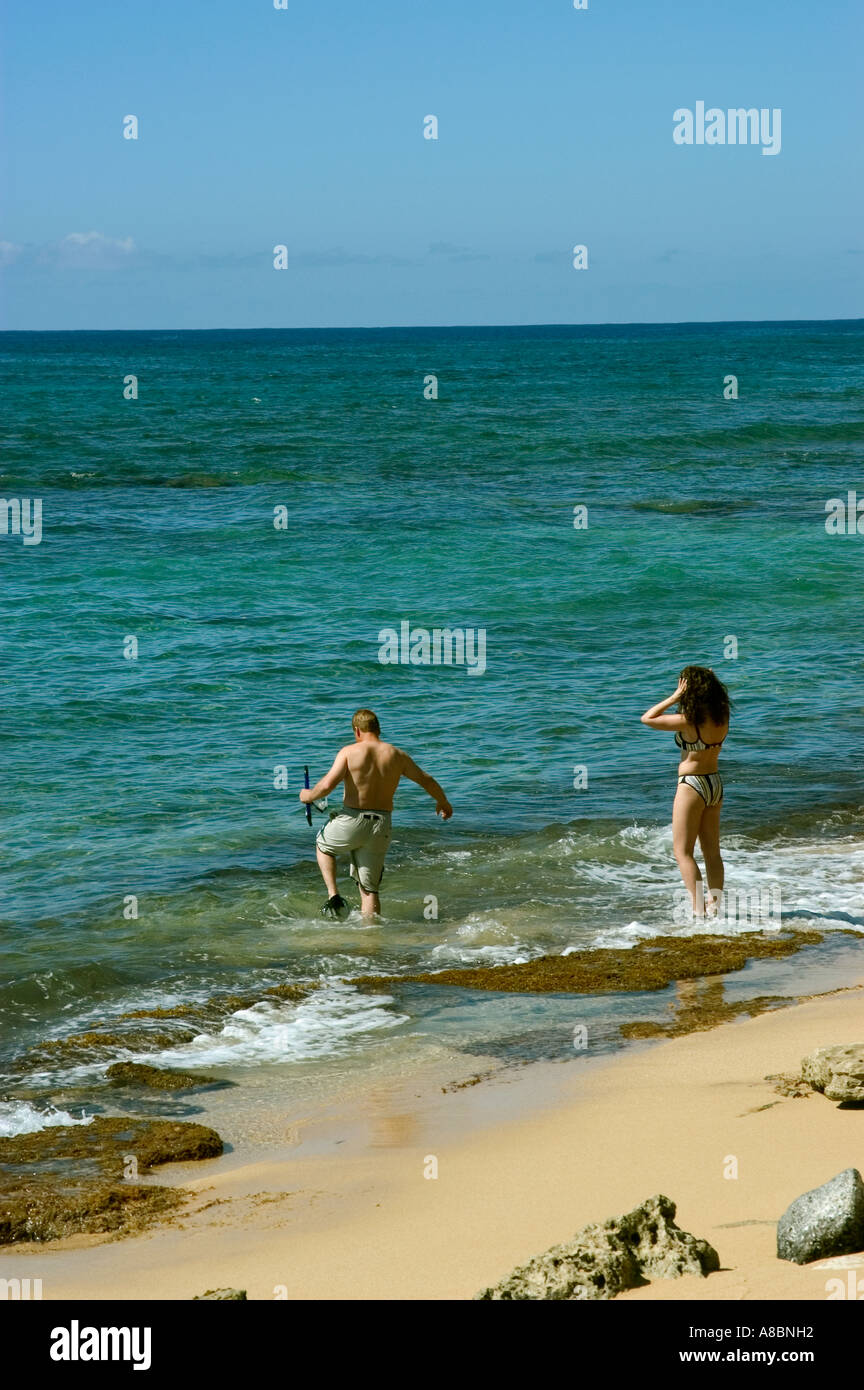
<point x="709" y="785"/>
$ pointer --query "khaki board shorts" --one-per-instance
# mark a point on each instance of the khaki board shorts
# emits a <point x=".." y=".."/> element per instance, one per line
<point x="363" y="836"/>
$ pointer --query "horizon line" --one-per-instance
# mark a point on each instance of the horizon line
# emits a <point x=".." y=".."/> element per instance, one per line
<point x="432" y="328"/>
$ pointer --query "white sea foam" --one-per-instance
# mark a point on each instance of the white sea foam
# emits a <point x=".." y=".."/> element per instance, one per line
<point x="480" y="924"/>
<point x="321" y="1025"/>
<point x="451" y="951"/>
<point x="816" y="882"/>
<point x="482" y="940"/>
<point x="647" y="838"/>
<point x="20" y="1117"/>
<point x="610" y="938"/>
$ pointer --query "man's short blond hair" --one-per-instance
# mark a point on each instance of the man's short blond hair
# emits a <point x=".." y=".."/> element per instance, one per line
<point x="365" y="722"/>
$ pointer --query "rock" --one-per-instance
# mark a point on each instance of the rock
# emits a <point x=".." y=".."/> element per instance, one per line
<point x="137" y="1074"/>
<point x="838" y="1071"/>
<point x="788" y="1084"/>
<point x="845" y="1090"/>
<point x="650" y="965"/>
<point x="604" y="1260"/>
<point x="105" y="1142"/>
<point x="222" y="1295"/>
<point x="292" y="992"/>
<point x="69" y="1179"/>
<point x="87" y="1047"/>
<point x="829" y="1220"/>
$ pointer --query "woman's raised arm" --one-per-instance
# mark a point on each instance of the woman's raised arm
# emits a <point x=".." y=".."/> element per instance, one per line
<point x="655" y="717"/>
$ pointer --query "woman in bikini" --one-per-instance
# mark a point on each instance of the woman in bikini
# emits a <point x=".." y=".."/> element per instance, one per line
<point x="700" y="727"/>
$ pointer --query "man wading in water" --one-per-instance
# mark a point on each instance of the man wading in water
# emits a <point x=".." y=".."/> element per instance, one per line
<point x="371" y="771"/>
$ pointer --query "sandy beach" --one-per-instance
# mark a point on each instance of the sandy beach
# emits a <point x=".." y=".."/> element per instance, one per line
<point x="523" y="1159"/>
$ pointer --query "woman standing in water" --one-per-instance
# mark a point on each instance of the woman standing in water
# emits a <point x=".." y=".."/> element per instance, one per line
<point x="700" y="729"/>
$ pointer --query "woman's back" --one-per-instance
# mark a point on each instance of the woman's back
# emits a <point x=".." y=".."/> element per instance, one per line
<point x="700" y="745"/>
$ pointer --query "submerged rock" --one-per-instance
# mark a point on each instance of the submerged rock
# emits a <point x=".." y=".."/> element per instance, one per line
<point x="151" y="1030"/>
<point x="828" y="1220"/>
<point x="70" y="1179"/>
<point x="699" y="1015"/>
<point x="295" y="993"/>
<point x="220" y="1295"/>
<point x="604" y="1260"/>
<point x="137" y="1074"/>
<point x="649" y="965"/>
<point x="838" y="1071"/>
<point x="79" y="1048"/>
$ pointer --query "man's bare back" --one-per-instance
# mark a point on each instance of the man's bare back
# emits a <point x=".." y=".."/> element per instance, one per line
<point x="372" y="774"/>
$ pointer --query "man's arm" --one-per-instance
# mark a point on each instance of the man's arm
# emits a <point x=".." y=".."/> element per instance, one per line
<point x="329" y="781"/>
<point x="416" y="774"/>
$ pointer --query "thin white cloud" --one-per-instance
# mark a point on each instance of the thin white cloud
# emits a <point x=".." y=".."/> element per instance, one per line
<point x="91" y="250"/>
<point x="75" y="251"/>
<point x="95" y="251"/>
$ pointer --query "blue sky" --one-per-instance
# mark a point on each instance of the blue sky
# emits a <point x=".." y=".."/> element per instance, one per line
<point x="305" y="127"/>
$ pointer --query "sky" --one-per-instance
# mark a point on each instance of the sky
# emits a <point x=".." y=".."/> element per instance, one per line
<point x="304" y="127"/>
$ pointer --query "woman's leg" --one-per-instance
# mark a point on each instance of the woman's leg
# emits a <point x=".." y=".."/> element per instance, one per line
<point x="688" y="809"/>
<point x="709" y="839"/>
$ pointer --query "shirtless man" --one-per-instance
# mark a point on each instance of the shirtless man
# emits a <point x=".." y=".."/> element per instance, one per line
<point x="370" y="770"/>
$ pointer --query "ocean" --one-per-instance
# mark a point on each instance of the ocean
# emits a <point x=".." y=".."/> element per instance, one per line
<point x="171" y="659"/>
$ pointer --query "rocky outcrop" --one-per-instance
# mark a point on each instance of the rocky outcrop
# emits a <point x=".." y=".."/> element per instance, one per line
<point x="221" y="1295"/>
<point x="137" y="1074"/>
<point x="837" y="1071"/>
<point x="70" y="1179"/>
<point x="649" y="965"/>
<point x="828" y="1220"/>
<point x="604" y="1260"/>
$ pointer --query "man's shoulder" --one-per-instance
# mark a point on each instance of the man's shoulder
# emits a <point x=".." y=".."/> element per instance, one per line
<point x="404" y="757"/>
<point x="357" y="753"/>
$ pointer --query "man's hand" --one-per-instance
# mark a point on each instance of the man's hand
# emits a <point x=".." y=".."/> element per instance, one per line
<point x="306" y="795"/>
<point x="444" y="809"/>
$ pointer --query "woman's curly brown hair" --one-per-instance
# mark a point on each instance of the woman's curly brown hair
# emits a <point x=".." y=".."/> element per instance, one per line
<point x="704" y="695"/>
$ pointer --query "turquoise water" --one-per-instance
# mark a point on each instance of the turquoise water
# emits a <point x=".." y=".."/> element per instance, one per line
<point x="155" y="776"/>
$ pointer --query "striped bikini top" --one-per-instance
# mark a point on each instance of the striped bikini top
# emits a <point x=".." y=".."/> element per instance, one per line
<point x="698" y="746"/>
